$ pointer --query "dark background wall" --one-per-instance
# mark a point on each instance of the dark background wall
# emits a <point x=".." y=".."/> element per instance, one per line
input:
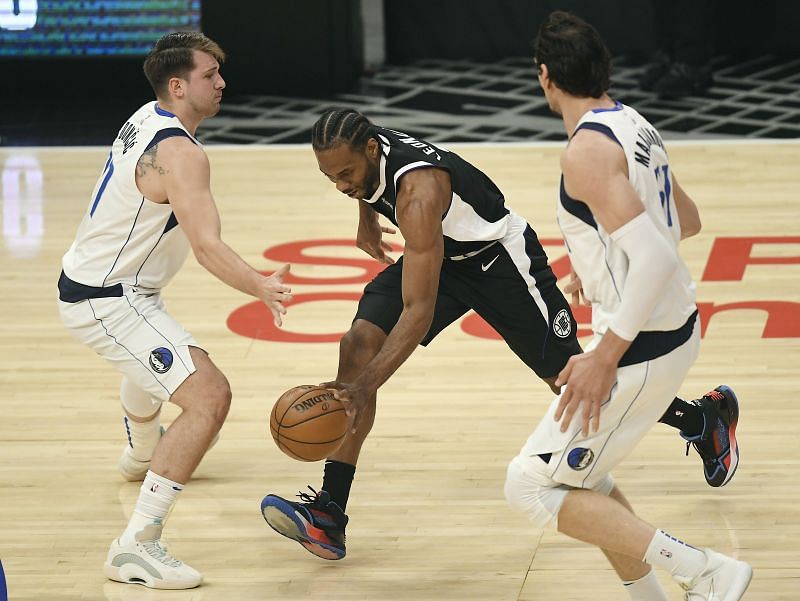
<point x="313" y="48"/>
<point x="301" y="47"/>
<point x="291" y="48"/>
<point x="485" y="31"/>
<point x="297" y="47"/>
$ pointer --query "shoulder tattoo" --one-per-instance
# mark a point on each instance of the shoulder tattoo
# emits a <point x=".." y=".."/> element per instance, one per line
<point x="149" y="162"/>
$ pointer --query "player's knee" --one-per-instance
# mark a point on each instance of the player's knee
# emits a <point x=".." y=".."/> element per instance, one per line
<point x="222" y="402"/>
<point x="137" y="401"/>
<point x="530" y="490"/>
<point x="217" y="401"/>
<point x="361" y="343"/>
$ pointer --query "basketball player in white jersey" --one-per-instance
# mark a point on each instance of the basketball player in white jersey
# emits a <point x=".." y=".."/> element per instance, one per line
<point x="151" y="204"/>
<point x="622" y="213"/>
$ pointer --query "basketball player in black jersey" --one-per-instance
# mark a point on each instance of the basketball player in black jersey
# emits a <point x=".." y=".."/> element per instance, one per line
<point x="464" y="249"/>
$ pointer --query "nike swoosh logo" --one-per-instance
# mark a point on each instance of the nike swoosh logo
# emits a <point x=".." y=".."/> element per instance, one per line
<point x="489" y="264"/>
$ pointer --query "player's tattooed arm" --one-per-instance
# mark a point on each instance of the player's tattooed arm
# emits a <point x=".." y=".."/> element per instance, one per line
<point x="149" y="162"/>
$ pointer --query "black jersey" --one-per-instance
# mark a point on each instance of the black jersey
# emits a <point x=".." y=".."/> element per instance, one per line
<point x="477" y="215"/>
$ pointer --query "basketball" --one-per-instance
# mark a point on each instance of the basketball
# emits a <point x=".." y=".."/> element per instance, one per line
<point x="308" y="423"/>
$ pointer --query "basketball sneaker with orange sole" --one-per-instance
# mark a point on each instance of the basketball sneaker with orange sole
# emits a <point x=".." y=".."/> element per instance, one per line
<point x="717" y="444"/>
<point x="316" y="522"/>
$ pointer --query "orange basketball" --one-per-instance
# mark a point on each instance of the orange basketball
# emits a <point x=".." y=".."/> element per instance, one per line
<point x="308" y="423"/>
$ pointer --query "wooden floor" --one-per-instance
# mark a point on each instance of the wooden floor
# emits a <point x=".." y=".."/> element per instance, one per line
<point x="428" y="518"/>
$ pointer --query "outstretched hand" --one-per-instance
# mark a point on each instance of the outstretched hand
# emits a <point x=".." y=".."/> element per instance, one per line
<point x="274" y="293"/>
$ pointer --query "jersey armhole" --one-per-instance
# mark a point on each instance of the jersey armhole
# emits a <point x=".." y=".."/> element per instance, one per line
<point x="169" y="132"/>
<point x="414" y="167"/>
<point x="598" y="127"/>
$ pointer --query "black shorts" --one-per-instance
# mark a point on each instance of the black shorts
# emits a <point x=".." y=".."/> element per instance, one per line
<point x="509" y="284"/>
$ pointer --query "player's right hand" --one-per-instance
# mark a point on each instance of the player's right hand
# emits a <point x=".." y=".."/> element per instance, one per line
<point x="354" y="397"/>
<point x="274" y="293"/>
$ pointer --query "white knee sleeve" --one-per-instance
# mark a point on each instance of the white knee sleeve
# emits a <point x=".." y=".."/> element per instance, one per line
<point x="530" y="489"/>
<point x="136" y="401"/>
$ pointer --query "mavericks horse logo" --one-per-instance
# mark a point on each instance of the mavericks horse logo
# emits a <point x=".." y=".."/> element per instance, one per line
<point x="580" y="458"/>
<point x="161" y="360"/>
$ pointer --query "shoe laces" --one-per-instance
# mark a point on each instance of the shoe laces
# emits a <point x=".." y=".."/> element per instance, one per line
<point x="706" y="450"/>
<point x="307" y="498"/>
<point x="321" y="502"/>
<point x="159" y="552"/>
<point x="691" y="595"/>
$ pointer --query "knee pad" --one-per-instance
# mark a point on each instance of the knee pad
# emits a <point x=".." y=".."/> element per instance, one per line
<point x="137" y="402"/>
<point x="530" y="489"/>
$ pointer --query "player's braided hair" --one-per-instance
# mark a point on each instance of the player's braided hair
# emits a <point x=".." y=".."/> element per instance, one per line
<point x="341" y="126"/>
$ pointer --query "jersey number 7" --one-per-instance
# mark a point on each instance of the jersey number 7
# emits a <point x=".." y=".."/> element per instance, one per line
<point x="665" y="191"/>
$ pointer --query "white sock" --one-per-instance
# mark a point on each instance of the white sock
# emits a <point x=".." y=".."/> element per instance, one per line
<point x="143" y="437"/>
<point x="647" y="588"/>
<point x="675" y="556"/>
<point x="156" y="498"/>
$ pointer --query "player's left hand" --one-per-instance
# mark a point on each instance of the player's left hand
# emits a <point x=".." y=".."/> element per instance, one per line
<point x="575" y="289"/>
<point x="355" y="398"/>
<point x="370" y="239"/>
<point x="589" y="378"/>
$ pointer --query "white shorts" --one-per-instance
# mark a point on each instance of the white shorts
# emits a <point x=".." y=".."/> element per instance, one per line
<point x="136" y="334"/>
<point x="638" y="399"/>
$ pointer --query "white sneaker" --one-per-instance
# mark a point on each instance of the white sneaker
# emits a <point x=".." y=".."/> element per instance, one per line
<point x="146" y="561"/>
<point x="118" y="591"/>
<point x="723" y="579"/>
<point x="134" y="470"/>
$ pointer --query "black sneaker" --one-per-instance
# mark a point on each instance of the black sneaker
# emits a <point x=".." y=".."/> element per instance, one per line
<point x="684" y="80"/>
<point x="316" y="522"/>
<point x="717" y="444"/>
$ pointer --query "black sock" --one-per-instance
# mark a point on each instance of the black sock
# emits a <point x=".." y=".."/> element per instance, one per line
<point x="337" y="481"/>
<point x="684" y="416"/>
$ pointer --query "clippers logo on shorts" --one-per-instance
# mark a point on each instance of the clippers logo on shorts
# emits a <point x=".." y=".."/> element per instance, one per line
<point x="161" y="360"/>
<point x="580" y="458"/>
<point x="562" y="324"/>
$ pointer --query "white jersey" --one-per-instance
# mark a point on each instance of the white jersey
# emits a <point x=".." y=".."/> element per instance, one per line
<point x="124" y="238"/>
<point x="602" y="265"/>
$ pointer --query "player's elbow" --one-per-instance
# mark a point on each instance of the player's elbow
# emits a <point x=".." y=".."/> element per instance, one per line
<point x="692" y="228"/>
<point x="202" y="254"/>
<point x="204" y="250"/>
<point x="420" y="312"/>
<point x="664" y="263"/>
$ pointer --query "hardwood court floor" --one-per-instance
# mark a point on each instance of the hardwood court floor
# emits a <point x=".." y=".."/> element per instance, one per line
<point x="428" y="518"/>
